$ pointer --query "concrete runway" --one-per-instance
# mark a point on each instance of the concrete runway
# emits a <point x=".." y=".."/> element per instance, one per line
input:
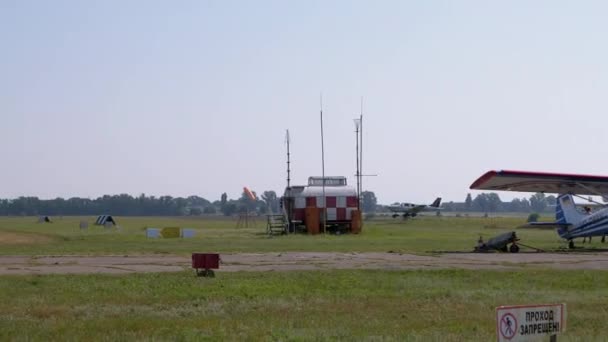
<point x="289" y="261"/>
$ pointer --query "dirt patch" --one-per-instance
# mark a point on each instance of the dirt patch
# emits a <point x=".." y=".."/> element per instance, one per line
<point x="264" y="262"/>
<point x="10" y="238"/>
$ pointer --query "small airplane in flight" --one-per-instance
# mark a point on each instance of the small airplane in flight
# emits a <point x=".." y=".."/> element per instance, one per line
<point x="411" y="210"/>
<point x="570" y="221"/>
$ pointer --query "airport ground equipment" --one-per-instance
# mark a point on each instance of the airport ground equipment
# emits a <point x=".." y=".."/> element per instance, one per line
<point x="499" y="243"/>
<point x="205" y="263"/>
<point x="276" y="224"/>
<point x="44" y="219"/>
<point x="102" y="220"/>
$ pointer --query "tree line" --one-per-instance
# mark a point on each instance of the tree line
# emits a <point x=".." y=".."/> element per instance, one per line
<point x="127" y="205"/>
<point x="268" y="202"/>
<point x="491" y="202"/>
<point x="484" y="202"/>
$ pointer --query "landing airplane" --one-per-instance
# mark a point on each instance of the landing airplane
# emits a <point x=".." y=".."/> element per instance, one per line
<point x="411" y="210"/>
<point x="571" y="223"/>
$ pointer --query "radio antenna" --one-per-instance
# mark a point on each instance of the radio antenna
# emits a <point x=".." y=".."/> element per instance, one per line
<point x="358" y="172"/>
<point x="323" y="165"/>
<point x="288" y="161"/>
<point x="361" y="148"/>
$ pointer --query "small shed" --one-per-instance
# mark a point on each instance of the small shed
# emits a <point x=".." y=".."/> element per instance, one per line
<point x="304" y="206"/>
<point x="102" y="220"/>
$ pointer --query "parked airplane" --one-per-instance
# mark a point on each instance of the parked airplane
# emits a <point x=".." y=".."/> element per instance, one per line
<point x="570" y="221"/>
<point x="411" y="210"/>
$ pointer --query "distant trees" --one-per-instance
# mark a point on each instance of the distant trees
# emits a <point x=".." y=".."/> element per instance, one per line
<point x="209" y="210"/>
<point x="368" y="202"/>
<point x="268" y="202"/>
<point x="486" y="202"/>
<point x="122" y="204"/>
<point x="538" y="202"/>
<point x="195" y="211"/>
<point x="521" y="205"/>
<point x="142" y="205"/>
<point x="271" y="201"/>
<point x="491" y="202"/>
<point x="224" y="204"/>
<point x="468" y="203"/>
<point x="229" y="209"/>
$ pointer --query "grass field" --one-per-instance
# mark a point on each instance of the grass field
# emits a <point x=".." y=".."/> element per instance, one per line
<point x="334" y="305"/>
<point x="372" y="305"/>
<point x="422" y="235"/>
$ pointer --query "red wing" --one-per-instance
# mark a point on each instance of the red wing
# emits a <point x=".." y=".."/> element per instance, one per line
<point x="524" y="181"/>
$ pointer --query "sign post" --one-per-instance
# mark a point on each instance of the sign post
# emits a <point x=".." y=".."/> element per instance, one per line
<point x="530" y="322"/>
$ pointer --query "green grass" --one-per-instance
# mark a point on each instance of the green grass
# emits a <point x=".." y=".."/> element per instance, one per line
<point x="421" y="235"/>
<point x="447" y="305"/>
<point x="425" y="305"/>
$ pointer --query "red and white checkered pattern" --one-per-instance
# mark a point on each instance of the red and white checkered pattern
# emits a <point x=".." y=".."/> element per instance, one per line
<point x="339" y="208"/>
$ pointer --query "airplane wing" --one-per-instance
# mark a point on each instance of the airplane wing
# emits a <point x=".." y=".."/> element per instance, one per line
<point x="398" y="209"/>
<point x="417" y="209"/>
<point x="525" y="181"/>
<point x="406" y="210"/>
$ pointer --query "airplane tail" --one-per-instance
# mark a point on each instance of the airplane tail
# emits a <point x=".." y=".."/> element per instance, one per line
<point x="436" y="203"/>
<point x="566" y="213"/>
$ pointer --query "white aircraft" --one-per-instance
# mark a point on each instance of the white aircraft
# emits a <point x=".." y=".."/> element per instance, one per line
<point x="570" y="221"/>
<point x="411" y="210"/>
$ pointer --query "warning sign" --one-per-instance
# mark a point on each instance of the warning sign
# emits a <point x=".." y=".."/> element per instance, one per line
<point x="529" y="322"/>
<point x="508" y="326"/>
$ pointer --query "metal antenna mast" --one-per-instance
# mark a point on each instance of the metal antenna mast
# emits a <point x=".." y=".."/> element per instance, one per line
<point x="358" y="173"/>
<point x="361" y="149"/>
<point x="288" y="162"/>
<point x="323" y="166"/>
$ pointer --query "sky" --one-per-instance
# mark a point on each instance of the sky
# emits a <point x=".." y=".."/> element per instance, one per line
<point x="194" y="97"/>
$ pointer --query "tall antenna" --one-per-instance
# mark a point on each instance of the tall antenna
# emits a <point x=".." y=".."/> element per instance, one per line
<point x="323" y="166"/>
<point x="360" y="175"/>
<point x="361" y="149"/>
<point x="357" y="173"/>
<point x="288" y="162"/>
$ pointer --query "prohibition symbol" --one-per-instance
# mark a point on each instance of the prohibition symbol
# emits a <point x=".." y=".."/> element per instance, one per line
<point x="508" y="326"/>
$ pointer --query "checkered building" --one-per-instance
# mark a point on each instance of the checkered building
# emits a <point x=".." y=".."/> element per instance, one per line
<point x="340" y="199"/>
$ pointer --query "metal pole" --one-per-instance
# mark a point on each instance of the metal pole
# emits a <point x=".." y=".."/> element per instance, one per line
<point x="361" y="156"/>
<point x="357" y="173"/>
<point x="288" y="169"/>
<point x="361" y="147"/>
<point x="323" y="168"/>
<point x="287" y="212"/>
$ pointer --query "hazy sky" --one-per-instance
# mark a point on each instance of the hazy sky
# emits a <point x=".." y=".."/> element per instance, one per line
<point x="193" y="97"/>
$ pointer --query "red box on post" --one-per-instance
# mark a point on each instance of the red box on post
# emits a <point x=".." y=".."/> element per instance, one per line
<point x="205" y="260"/>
